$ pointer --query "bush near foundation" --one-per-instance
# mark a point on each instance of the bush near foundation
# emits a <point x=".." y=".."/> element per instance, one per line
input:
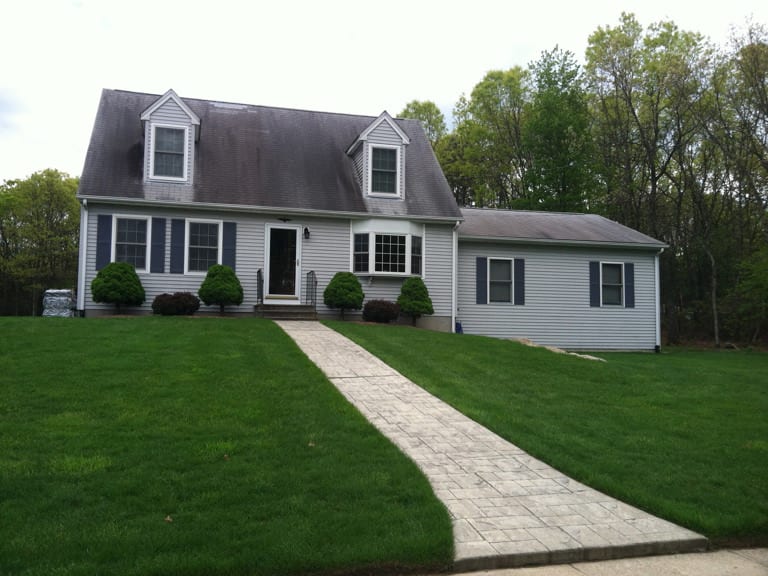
<point x="176" y="304"/>
<point x="221" y="286"/>
<point x="117" y="283"/>
<point x="381" y="311"/>
<point x="344" y="292"/>
<point x="414" y="298"/>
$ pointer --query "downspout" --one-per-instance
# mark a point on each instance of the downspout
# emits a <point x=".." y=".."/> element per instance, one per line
<point x="658" y="302"/>
<point x="454" y="277"/>
<point x="82" y="257"/>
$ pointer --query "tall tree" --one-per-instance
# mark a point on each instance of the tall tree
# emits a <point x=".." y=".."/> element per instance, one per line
<point x="556" y="135"/>
<point x="39" y="228"/>
<point x="487" y="153"/>
<point x="430" y="116"/>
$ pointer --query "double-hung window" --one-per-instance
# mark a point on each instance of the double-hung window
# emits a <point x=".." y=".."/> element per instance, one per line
<point x="131" y="241"/>
<point x="612" y="284"/>
<point x="392" y="253"/>
<point x="203" y="245"/>
<point x="169" y="152"/>
<point x="499" y="280"/>
<point x="384" y="170"/>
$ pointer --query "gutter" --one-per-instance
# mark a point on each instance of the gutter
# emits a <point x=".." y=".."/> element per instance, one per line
<point x="560" y="242"/>
<point x="262" y="209"/>
<point x="454" y="275"/>
<point x="657" y="282"/>
<point x="82" y="257"/>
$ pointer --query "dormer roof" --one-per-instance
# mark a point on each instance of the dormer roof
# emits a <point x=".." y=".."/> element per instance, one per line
<point x="383" y="117"/>
<point x="160" y="102"/>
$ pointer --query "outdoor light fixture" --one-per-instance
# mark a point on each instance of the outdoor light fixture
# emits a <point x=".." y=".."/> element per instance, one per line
<point x="306" y="233"/>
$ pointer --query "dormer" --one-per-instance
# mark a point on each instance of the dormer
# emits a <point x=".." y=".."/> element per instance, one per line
<point x="171" y="129"/>
<point x="379" y="156"/>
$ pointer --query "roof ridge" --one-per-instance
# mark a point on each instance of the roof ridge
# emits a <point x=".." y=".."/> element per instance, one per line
<point x="233" y="103"/>
<point x="523" y="210"/>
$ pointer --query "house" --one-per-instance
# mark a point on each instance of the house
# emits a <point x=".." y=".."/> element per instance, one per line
<point x="290" y="197"/>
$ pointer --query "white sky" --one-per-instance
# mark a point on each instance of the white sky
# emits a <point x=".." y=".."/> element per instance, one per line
<point x="352" y="56"/>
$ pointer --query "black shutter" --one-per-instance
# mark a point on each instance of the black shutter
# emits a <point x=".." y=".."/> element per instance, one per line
<point x="594" y="284"/>
<point x="629" y="285"/>
<point x="481" y="280"/>
<point x="229" y="252"/>
<point x="519" y="281"/>
<point x="177" y="246"/>
<point x="103" y="240"/>
<point x="157" y="255"/>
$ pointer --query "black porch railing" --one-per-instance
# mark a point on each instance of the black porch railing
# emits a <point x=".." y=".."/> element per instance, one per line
<point x="259" y="287"/>
<point x="310" y="287"/>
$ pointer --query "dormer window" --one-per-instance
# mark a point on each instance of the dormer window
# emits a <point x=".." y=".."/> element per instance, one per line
<point x="169" y="152"/>
<point x="384" y="175"/>
<point x="170" y="130"/>
<point x="379" y="158"/>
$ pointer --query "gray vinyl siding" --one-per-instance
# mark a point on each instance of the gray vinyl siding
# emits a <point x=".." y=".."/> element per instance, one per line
<point x="170" y="113"/>
<point x="438" y="267"/>
<point x="557" y="308"/>
<point x="326" y="252"/>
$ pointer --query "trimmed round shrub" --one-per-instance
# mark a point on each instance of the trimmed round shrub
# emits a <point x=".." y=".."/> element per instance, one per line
<point x="117" y="283"/>
<point x="344" y="292"/>
<point x="381" y="311"/>
<point x="176" y="304"/>
<point x="414" y="298"/>
<point x="221" y="286"/>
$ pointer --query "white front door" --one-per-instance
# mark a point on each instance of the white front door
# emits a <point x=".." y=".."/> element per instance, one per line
<point x="283" y="252"/>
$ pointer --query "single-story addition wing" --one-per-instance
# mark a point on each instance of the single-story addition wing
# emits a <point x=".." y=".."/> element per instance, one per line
<point x="287" y="198"/>
<point x="576" y="281"/>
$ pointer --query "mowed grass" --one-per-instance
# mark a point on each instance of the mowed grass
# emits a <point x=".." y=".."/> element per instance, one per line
<point x="194" y="446"/>
<point x="682" y="434"/>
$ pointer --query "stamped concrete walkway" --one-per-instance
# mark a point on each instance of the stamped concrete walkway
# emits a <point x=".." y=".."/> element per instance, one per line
<point x="508" y="509"/>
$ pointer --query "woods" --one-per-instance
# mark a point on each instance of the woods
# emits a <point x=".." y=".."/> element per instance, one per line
<point x="39" y="228"/>
<point x="659" y="130"/>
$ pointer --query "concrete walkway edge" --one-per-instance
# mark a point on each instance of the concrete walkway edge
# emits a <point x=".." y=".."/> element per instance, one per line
<point x="508" y="509"/>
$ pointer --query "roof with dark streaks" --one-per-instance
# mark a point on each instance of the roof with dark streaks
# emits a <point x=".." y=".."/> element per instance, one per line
<point x="555" y="227"/>
<point x="257" y="156"/>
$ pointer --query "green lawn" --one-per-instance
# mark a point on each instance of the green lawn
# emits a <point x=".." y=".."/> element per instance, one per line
<point x="194" y="446"/>
<point x="682" y="434"/>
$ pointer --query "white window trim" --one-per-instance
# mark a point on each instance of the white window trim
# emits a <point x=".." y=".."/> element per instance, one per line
<point x="148" y="220"/>
<point x="187" y="239"/>
<point x="152" y="174"/>
<point x="511" y="282"/>
<point x="398" y="173"/>
<point x="372" y="253"/>
<point x="623" y="286"/>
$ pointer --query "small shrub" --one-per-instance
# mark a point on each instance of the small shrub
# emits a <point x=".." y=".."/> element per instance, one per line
<point x="381" y="311"/>
<point x="414" y="298"/>
<point x="221" y="286"/>
<point x="176" y="304"/>
<point x="117" y="283"/>
<point x="344" y="292"/>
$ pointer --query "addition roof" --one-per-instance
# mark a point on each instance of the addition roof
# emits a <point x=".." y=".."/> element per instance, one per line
<point x="259" y="157"/>
<point x="550" y="227"/>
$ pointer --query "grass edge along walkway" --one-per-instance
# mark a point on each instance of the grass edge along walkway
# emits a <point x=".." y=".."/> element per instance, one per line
<point x="182" y="446"/>
<point x="681" y="435"/>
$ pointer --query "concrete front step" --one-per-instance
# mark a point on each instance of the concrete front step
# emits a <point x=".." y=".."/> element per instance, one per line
<point x="285" y="312"/>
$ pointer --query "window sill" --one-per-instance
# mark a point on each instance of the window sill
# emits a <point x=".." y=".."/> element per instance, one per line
<point x="392" y="196"/>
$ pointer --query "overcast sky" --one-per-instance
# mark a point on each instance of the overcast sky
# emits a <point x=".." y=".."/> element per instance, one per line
<point x="351" y="56"/>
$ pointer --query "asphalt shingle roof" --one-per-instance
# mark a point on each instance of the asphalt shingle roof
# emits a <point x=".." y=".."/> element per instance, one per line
<point x="555" y="227"/>
<point x="258" y="156"/>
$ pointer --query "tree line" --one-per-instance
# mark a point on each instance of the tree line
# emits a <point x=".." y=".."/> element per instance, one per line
<point x="39" y="229"/>
<point x="659" y="130"/>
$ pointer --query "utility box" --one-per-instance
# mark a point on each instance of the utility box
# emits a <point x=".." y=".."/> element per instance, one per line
<point x="58" y="303"/>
